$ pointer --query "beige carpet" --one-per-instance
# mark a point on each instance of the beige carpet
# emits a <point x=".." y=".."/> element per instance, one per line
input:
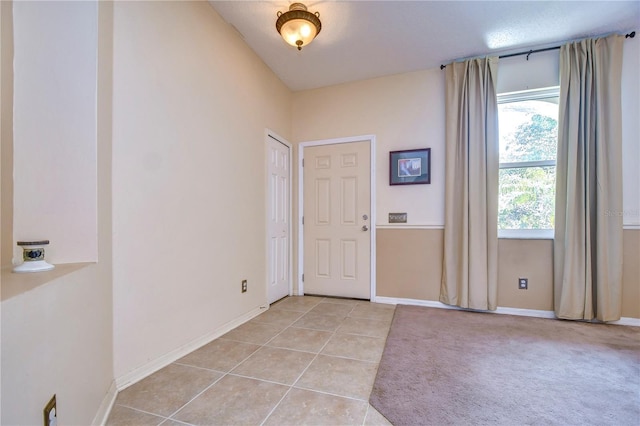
<point x="449" y="367"/>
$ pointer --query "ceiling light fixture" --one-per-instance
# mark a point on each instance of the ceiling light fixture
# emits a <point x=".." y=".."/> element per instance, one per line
<point x="297" y="26"/>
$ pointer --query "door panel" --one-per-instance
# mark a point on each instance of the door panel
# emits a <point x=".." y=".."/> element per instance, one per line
<point x="278" y="224"/>
<point x="323" y="204"/>
<point x="349" y="254"/>
<point x="323" y="258"/>
<point x="337" y="244"/>
<point x="348" y="200"/>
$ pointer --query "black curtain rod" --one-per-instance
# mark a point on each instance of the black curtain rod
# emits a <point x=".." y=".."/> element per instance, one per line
<point x="632" y="34"/>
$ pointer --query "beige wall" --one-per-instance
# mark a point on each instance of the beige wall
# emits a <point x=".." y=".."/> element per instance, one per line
<point x="631" y="274"/>
<point x="409" y="263"/>
<point x="404" y="112"/>
<point x="532" y="259"/>
<point x="186" y="106"/>
<point x="407" y="111"/>
<point x="6" y="134"/>
<point x="631" y="133"/>
<point x="2" y="165"/>
<point x="191" y="103"/>
<point x="54" y="128"/>
<point x="57" y="327"/>
<point x="56" y="339"/>
<point x="410" y="266"/>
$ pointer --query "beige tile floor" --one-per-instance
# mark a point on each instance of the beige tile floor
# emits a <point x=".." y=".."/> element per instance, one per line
<point x="307" y="360"/>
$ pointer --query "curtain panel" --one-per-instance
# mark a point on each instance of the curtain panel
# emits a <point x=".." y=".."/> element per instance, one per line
<point x="469" y="277"/>
<point x="588" y="228"/>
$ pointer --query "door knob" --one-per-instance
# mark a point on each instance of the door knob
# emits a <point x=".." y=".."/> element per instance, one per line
<point x="365" y="228"/>
<point x="365" y="217"/>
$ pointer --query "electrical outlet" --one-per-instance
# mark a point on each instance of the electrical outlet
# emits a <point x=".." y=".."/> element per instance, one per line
<point x="523" y="283"/>
<point x="244" y="286"/>
<point x="51" y="413"/>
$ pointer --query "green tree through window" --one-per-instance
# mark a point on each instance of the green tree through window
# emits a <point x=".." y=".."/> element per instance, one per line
<point x="528" y="145"/>
<point x="534" y="140"/>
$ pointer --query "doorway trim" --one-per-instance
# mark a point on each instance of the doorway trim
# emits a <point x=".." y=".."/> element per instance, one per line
<point x="372" y="149"/>
<point x="270" y="134"/>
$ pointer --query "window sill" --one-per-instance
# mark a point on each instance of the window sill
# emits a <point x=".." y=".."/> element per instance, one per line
<point x="525" y="234"/>
<point x="15" y="284"/>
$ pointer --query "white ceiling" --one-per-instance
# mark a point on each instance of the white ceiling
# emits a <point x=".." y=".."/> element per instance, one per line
<point x="367" y="39"/>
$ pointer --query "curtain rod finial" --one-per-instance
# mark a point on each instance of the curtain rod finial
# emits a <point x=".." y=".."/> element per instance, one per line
<point x="442" y="67"/>
<point x="632" y="34"/>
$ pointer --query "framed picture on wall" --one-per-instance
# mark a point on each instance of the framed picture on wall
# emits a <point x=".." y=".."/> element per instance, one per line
<point x="410" y="167"/>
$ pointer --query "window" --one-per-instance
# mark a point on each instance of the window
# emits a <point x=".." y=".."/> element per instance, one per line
<point x="528" y="144"/>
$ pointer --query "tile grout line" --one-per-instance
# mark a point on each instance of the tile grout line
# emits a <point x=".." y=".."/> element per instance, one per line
<point x="273" y="382"/>
<point x="215" y="381"/>
<point x="176" y="421"/>
<point x="276" y="406"/>
<point x="294" y="382"/>
<point x="268" y="341"/>
<point x="290" y="386"/>
<point x="316" y="354"/>
<point x="284" y="329"/>
<point x="303" y="371"/>
<point x="301" y="314"/>
<point x="196" y="396"/>
<point x="164" y="418"/>
<point x="352" y="398"/>
<point x="199" y="368"/>
<point x="366" y="413"/>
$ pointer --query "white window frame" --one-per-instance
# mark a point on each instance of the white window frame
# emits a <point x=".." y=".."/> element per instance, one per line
<point x="527" y="95"/>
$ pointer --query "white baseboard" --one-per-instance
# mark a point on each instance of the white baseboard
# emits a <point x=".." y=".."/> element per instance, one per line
<point x="149" y="368"/>
<point x="105" y="407"/>
<point x="635" y="322"/>
<point x="525" y="312"/>
<point x="414" y="302"/>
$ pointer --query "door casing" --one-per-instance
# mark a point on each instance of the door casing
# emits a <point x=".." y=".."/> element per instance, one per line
<point x="372" y="149"/>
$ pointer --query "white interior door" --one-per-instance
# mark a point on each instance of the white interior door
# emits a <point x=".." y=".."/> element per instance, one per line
<point x="337" y="202"/>
<point x="279" y="175"/>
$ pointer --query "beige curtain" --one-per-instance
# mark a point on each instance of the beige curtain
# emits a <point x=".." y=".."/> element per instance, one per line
<point x="469" y="276"/>
<point x="588" y="223"/>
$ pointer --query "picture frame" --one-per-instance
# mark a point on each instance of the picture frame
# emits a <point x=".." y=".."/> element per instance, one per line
<point x="410" y="167"/>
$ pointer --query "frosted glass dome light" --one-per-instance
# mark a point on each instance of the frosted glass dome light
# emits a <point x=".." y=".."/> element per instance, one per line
<point x="297" y="26"/>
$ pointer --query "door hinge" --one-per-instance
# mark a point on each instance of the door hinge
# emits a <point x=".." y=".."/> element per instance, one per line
<point x="303" y="220"/>
<point x="303" y="162"/>
<point x="302" y="277"/>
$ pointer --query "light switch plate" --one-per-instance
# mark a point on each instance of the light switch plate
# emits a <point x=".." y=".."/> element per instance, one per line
<point x="397" y="218"/>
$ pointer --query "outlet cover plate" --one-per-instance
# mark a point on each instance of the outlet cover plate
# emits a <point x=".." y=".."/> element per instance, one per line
<point x="523" y="283"/>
